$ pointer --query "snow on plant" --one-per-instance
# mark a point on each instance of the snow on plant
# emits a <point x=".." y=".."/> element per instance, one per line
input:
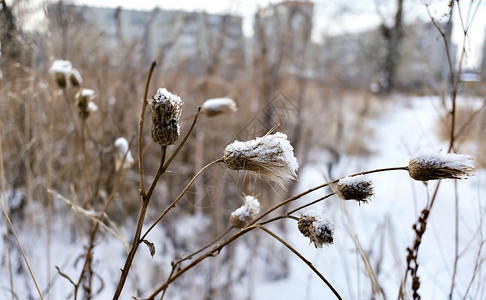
<point x="431" y="166"/>
<point x="271" y="157"/>
<point x="218" y="106"/>
<point x="75" y="78"/>
<point x="166" y="112"/>
<point x="244" y="214"/>
<point x="317" y="227"/>
<point x="61" y="69"/>
<point x="358" y="188"/>
<point x="121" y="147"/>
<point x="83" y="102"/>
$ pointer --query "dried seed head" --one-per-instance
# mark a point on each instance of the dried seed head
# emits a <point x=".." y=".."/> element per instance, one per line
<point x="84" y="104"/>
<point x="358" y="188"/>
<point x="121" y="147"/>
<point x="218" y="106"/>
<point x="166" y="112"/>
<point x="61" y="69"/>
<point x="431" y="166"/>
<point x="271" y="157"/>
<point x="244" y="214"/>
<point x="318" y="228"/>
<point x="75" y="78"/>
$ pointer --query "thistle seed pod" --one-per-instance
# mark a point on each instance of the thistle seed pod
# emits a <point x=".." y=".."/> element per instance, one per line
<point x="84" y="104"/>
<point x="318" y="228"/>
<point x="244" y="214"/>
<point x="432" y="166"/>
<point x="121" y="147"/>
<point x="166" y="112"/>
<point x="61" y="69"/>
<point x="358" y="188"/>
<point x="271" y="157"/>
<point x="75" y="78"/>
<point x="218" y="106"/>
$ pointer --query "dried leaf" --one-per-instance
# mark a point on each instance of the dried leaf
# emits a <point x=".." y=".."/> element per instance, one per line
<point x="151" y="247"/>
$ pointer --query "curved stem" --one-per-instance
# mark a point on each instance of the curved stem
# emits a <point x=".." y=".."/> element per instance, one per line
<point x="321" y="186"/>
<point x="173" y="204"/>
<point x="141" y="218"/>
<point x="140" y="129"/>
<point x="308" y="263"/>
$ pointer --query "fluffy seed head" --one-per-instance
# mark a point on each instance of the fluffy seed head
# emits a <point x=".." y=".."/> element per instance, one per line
<point x="271" y="157"/>
<point x="318" y="228"/>
<point x="61" y="69"/>
<point x="218" y="106"/>
<point x="431" y="166"/>
<point x="75" y="78"/>
<point x="244" y="214"/>
<point x="358" y="188"/>
<point x="166" y="112"/>
<point x="83" y="102"/>
<point x="121" y="147"/>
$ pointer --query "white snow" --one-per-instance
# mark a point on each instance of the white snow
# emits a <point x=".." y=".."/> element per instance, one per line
<point x="121" y="146"/>
<point x="272" y="154"/>
<point x="216" y="106"/>
<point x="444" y="160"/>
<point x="249" y="210"/>
<point x="61" y="66"/>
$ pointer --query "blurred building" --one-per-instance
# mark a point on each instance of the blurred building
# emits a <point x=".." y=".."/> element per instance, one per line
<point x="282" y="34"/>
<point x="354" y="58"/>
<point x="196" y="42"/>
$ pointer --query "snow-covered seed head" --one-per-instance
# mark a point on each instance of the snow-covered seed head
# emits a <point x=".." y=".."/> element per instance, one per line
<point x="218" y="106"/>
<point x="271" y="157"/>
<point x="84" y="104"/>
<point x="121" y="149"/>
<point x="244" y="214"/>
<point x="75" y="78"/>
<point x="358" y="188"/>
<point x="61" y="69"/>
<point x="318" y="228"/>
<point x="431" y="166"/>
<point x="166" y="112"/>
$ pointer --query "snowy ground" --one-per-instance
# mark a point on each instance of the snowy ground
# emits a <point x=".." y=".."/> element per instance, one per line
<point x="383" y="228"/>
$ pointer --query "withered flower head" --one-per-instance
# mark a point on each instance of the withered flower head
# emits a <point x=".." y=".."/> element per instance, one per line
<point x="271" y="157"/>
<point x="244" y="214"/>
<point x="75" y="78"/>
<point x="61" y="69"/>
<point x="166" y="112"/>
<point x="218" y="106"/>
<point x="122" y="151"/>
<point x="84" y="104"/>
<point x="431" y="166"/>
<point x="318" y="228"/>
<point x="358" y="188"/>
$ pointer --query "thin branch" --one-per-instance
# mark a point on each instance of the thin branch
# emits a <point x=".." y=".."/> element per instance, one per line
<point x="173" y="204"/>
<point x="140" y="129"/>
<point x="308" y="263"/>
<point x="141" y="218"/>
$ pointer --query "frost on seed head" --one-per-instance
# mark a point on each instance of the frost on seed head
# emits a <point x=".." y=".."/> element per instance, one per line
<point x="358" y="188"/>
<point x="61" y="69"/>
<point x="431" y="166"/>
<point x="121" y="147"/>
<point x="244" y="214"/>
<point x="166" y="112"/>
<point x="75" y="78"/>
<point x="84" y="104"/>
<point x="271" y="157"/>
<point x="218" y="106"/>
<point x="317" y="227"/>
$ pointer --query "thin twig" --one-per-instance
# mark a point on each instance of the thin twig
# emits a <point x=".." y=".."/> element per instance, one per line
<point x="173" y="204"/>
<point x="141" y="218"/>
<point x="140" y="129"/>
<point x="303" y="259"/>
